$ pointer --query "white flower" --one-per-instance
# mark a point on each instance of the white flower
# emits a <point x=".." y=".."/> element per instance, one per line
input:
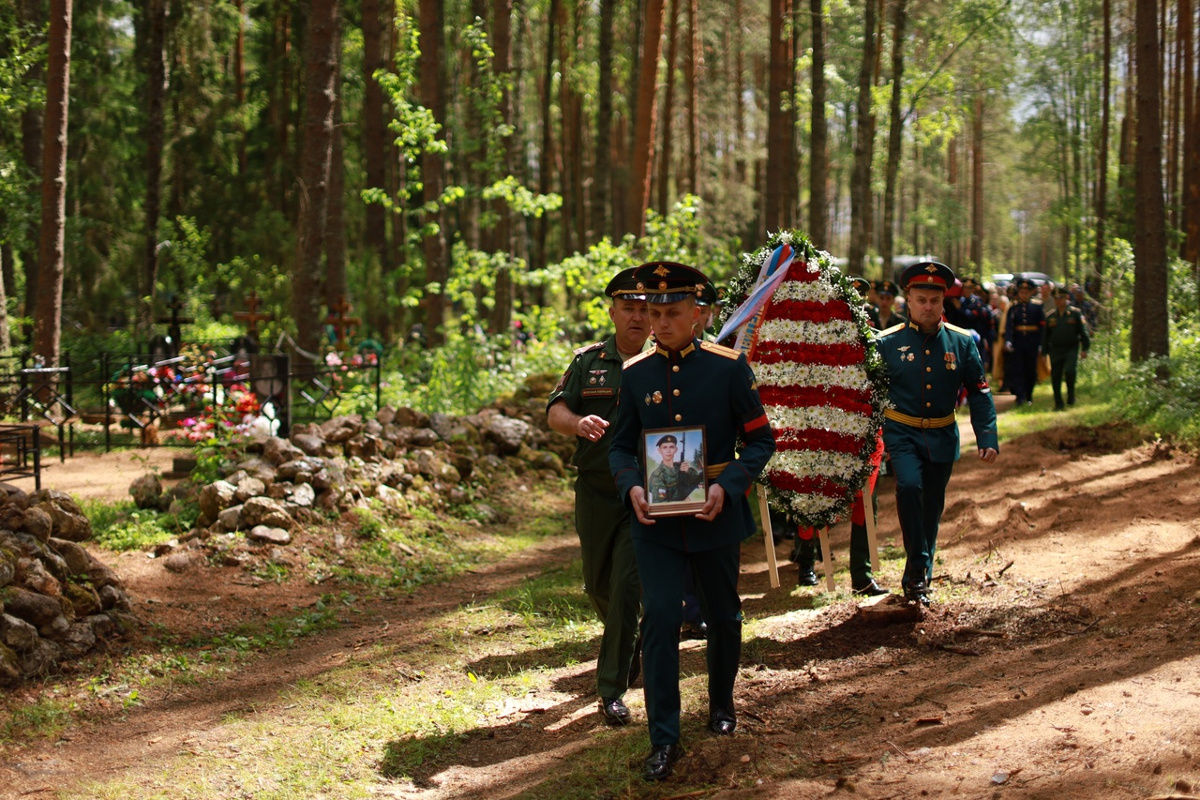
<point x="822" y="463"/>
<point x="854" y="377"/>
<point x="810" y="504"/>
<point x="804" y="291"/>
<point x="807" y="332"/>
<point x="825" y="418"/>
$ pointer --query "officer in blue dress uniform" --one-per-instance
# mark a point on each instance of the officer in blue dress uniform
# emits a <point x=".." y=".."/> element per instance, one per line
<point x="928" y="361"/>
<point x="1022" y="340"/>
<point x="684" y="382"/>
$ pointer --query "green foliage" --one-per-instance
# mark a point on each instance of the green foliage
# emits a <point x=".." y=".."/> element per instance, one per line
<point x="122" y="526"/>
<point x="21" y="50"/>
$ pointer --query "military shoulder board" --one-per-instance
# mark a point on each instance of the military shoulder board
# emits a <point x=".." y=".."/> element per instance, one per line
<point x="637" y="358"/>
<point x="587" y="348"/>
<point x="721" y="350"/>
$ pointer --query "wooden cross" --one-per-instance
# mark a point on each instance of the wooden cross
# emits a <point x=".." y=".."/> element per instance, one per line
<point x="174" y="328"/>
<point x="252" y="317"/>
<point x="340" y="322"/>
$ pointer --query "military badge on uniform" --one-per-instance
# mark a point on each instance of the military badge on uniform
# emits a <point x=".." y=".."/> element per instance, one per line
<point x="657" y="396"/>
<point x="647" y="399"/>
<point x="951" y="363"/>
<point x="598" y="376"/>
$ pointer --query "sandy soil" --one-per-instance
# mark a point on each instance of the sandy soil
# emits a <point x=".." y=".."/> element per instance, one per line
<point x="1061" y="659"/>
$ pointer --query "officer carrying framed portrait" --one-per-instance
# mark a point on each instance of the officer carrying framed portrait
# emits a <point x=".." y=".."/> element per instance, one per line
<point x="674" y="474"/>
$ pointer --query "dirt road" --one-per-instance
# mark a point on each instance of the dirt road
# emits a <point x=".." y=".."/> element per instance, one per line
<point x="1061" y="659"/>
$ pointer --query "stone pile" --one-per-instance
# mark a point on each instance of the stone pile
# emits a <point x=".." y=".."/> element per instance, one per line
<point x="401" y="458"/>
<point x="57" y="602"/>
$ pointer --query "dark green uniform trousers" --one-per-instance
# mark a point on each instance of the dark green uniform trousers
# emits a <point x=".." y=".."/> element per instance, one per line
<point x="716" y="573"/>
<point x="610" y="577"/>
<point x="1063" y="363"/>
<point x="920" y="500"/>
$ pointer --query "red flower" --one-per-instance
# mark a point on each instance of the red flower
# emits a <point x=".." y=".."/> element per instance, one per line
<point x="817" y="439"/>
<point x="810" y="311"/>
<point x="830" y="355"/>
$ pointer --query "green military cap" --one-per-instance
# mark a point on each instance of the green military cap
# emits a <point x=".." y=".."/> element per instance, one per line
<point x="1023" y="281"/>
<point x="1062" y="291"/>
<point x="668" y="281"/>
<point x="887" y="287"/>
<point x="625" y="285"/>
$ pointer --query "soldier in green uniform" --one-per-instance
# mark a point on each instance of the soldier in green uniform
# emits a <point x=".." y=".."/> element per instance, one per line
<point x="685" y="383"/>
<point x="1065" y="338"/>
<point x="583" y="405"/>
<point x="927" y="362"/>
<point x="671" y="480"/>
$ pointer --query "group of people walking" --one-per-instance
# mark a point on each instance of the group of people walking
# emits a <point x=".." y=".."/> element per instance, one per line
<point x="624" y="398"/>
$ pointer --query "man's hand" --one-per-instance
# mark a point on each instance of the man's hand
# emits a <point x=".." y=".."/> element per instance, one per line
<point x="591" y="427"/>
<point x="685" y="466"/>
<point x="714" y="504"/>
<point x="1008" y="347"/>
<point x="989" y="455"/>
<point x="641" y="508"/>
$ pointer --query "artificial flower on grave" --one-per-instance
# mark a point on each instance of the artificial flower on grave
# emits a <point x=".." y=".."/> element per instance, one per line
<point x="821" y="381"/>
<point x="235" y="417"/>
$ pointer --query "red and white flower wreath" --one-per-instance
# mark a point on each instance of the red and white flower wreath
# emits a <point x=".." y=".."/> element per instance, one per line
<point x="821" y="381"/>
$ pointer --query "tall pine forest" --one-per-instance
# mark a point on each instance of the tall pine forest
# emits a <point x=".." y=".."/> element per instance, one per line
<point x="429" y="167"/>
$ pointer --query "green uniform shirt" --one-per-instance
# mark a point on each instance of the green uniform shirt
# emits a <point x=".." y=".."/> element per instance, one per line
<point x="590" y="386"/>
<point x="1066" y="332"/>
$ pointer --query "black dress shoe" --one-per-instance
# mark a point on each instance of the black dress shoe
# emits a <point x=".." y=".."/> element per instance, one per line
<point x="917" y="593"/>
<point x="614" y="711"/>
<point x="807" y="577"/>
<point x="697" y="630"/>
<point x="722" y="722"/>
<point x="661" y="761"/>
<point x="871" y="589"/>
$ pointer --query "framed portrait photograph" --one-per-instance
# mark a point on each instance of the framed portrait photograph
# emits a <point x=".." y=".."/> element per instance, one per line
<point x="674" y="470"/>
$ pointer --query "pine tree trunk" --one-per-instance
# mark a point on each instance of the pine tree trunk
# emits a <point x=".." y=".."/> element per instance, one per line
<point x="321" y="59"/>
<point x="337" y="289"/>
<point x="664" y="160"/>
<point x="375" y="144"/>
<point x="47" y="323"/>
<point x="432" y="94"/>
<point x="502" y="310"/>
<point x="602" y="189"/>
<point x="779" y="127"/>
<point x="864" y="146"/>
<point x="1150" y="321"/>
<point x="818" y="170"/>
<point x="1102" y="155"/>
<point x="569" y="144"/>
<point x="32" y="15"/>
<point x="895" y="140"/>
<point x="644" y="118"/>
<point x="977" y="185"/>
<point x="1191" y="143"/>
<point x="691" y="77"/>
<point x="156" y="89"/>
<point x="546" y="157"/>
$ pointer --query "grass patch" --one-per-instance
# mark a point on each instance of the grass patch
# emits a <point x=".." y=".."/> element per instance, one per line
<point x="120" y="526"/>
